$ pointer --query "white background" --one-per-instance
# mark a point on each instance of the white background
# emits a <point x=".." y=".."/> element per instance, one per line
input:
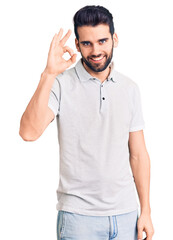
<point x="29" y="170"/>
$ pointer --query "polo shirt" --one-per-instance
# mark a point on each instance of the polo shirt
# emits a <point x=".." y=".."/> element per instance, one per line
<point x="93" y="121"/>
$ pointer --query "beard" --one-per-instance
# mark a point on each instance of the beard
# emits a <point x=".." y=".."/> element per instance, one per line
<point x="98" y="67"/>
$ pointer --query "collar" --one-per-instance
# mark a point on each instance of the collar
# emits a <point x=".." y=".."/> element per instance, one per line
<point x="85" y="76"/>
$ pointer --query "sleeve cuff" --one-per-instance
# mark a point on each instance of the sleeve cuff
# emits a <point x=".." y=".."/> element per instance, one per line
<point x="137" y="128"/>
<point x="53" y="109"/>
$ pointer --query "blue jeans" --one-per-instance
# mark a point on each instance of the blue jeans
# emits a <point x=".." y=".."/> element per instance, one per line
<point x="72" y="226"/>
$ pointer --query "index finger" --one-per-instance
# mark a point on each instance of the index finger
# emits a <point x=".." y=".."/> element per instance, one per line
<point x="66" y="37"/>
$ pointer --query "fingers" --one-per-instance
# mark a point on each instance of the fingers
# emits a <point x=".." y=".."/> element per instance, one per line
<point x="140" y="233"/>
<point x="72" y="54"/>
<point x="71" y="60"/>
<point x="53" y="41"/>
<point x="58" y="38"/>
<point x="66" y="37"/>
<point x="68" y="49"/>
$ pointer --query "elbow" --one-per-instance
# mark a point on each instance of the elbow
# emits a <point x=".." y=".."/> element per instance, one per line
<point x="28" y="132"/>
<point x="27" y="137"/>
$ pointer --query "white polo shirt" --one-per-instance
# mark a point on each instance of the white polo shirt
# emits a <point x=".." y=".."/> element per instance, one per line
<point x="94" y="120"/>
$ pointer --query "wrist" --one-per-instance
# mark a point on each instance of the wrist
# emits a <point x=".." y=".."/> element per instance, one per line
<point x="146" y="210"/>
<point x="46" y="79"/>
<point x="47" y="74"/>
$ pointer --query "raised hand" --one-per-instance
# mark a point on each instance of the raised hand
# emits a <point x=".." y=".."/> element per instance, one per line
<point x="56" y="64"/>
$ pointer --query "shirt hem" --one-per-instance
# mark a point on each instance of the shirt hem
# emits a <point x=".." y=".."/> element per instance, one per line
<point x="98" y="213"/>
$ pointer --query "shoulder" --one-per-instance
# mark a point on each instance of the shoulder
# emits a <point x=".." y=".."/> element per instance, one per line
<point x="124" y="81"/>
<point x="128" y="85"/>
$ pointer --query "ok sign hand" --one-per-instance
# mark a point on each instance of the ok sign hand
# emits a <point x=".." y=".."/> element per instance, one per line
<point x="56" y="64"/>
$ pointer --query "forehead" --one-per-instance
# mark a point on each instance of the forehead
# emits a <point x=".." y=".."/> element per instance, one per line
<point x="91" y="33"/>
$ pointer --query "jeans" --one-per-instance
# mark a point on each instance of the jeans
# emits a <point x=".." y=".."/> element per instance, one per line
<point x="72" y="226"/>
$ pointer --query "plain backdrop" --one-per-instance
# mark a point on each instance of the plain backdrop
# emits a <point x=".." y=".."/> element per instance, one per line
<point x="29" y="170"/>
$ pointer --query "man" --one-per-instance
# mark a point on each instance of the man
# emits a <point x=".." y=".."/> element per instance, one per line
<point x="100" y="132"/>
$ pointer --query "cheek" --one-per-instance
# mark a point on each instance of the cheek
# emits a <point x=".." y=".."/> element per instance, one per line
<point x="85" y="52"/>
<point x="108" y="49"/>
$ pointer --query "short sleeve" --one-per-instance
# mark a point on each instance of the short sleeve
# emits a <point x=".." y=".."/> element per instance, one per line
<point x="137" y="120"/>
<point x="54" y="97"/>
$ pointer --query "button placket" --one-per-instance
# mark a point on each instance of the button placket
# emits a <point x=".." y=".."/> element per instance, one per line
<point x="103" y="97"/>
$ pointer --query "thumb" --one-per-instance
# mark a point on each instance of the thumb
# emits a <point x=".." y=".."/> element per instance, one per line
<point x="140" y="233"/>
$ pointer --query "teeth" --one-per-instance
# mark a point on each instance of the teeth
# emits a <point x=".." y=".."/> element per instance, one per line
<point x="97" y="59"/>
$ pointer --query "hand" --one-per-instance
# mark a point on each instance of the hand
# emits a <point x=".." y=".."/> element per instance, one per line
<point x="145" y="224"/>
<point x="56" y="64"/>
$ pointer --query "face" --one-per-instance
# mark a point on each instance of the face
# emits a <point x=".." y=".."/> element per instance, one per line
<point x="96" y="46"/>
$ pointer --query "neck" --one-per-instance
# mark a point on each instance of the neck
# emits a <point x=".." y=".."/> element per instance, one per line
<point x="102" y="76"/>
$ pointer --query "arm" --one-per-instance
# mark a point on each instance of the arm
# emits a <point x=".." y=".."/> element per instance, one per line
<point x="37" y="114"/>
<point x="140" y="165"/>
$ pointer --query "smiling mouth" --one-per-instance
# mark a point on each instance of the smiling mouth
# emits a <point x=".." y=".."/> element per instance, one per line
<point x="97" y="60"/>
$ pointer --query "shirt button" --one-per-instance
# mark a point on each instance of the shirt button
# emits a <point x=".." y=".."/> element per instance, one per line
<point x="103" y="98"/>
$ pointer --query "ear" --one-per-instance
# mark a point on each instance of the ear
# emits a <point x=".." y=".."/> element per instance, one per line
<point x="77" y="45"/>
<point x="115" y="40"/>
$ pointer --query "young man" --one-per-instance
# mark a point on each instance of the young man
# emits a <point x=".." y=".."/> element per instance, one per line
<point x="100" y="132"/>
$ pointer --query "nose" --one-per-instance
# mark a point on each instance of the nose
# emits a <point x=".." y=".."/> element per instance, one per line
<point x="96" y="52"/>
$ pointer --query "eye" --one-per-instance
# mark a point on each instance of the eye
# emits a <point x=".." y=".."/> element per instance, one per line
<point x="86" y="43"/>
<point x="103" y="41"/>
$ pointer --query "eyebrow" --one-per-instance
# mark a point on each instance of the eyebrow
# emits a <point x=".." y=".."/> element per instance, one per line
<point x="98" y="40"/>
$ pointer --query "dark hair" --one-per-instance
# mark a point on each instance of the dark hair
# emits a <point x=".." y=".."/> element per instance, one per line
<point x="92" y="16"/>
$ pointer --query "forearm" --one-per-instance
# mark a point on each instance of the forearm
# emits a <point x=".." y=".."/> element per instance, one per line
<point x="32" y="120"/>
<point x="37" y="114"/>
<point x="141" y="172"/>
